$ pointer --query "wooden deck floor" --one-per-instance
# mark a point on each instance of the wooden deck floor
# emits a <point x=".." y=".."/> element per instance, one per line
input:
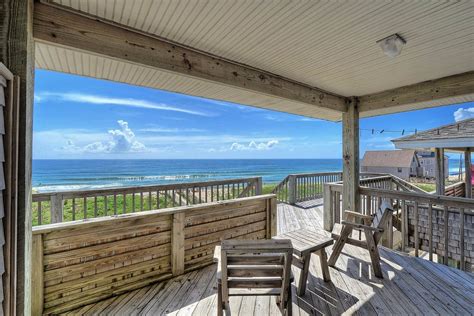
<point x="411" y="286"/>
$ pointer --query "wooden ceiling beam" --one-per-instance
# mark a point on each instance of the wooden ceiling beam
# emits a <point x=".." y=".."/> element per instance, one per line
<point x="64" y="27"/>
<point x="403" y="98"/>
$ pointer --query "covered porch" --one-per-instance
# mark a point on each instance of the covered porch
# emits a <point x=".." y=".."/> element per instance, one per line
<point x="321" y="60"/>
<point x="410" y="286"/>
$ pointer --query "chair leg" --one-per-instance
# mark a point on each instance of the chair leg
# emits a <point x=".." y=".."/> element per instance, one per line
<point x="340" y="242"/>
<point x="289" y="303"/>
<point x="374" y="253"/>
<point x="323" y="259"/>
<point x="301" y="290"/>
<point x="220" y="305"/>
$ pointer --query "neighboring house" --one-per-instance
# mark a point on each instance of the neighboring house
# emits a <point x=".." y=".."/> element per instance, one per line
<point x="427" y="161"/>
<point x="401" y="163"/>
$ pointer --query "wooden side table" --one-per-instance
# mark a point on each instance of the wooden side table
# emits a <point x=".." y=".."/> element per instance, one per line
<point x="305" y="242"/>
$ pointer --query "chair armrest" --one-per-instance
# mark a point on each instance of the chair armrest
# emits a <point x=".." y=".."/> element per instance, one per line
<point x="359" y="215"/>
<point x="360" y="226"/>
<point x="217" y="254"/>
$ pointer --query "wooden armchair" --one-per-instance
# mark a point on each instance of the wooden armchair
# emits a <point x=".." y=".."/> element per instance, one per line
<point x="365" y="234"/>
<point x="254" y="267"/>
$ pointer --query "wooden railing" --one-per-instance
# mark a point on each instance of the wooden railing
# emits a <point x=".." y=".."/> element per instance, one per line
<point x="81" y="262"/>
<point x="440" y="225"/>
<point x="303" y="187"/>
<point x="56" y="207"/>
<point x="456" y="190"/>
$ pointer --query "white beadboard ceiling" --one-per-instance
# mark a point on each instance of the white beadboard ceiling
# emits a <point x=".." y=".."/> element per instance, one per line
<point x="326" y="44"/>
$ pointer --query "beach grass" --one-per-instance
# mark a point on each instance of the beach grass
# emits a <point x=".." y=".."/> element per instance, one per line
<point x="98" y="207"/>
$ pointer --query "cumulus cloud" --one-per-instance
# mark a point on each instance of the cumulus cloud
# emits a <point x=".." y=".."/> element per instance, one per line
<point x="105" y="100"/>
<point x="463" y="114"/>
<point x="122" y="140"/>
<point x="254" y="146"/>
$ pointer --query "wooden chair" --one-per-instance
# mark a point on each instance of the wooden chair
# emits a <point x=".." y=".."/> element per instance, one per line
<point x="254" y="267"/>
<point x="365" y="235"/>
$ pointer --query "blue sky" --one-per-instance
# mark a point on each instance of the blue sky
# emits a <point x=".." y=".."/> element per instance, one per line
<point x="83" y="118"/>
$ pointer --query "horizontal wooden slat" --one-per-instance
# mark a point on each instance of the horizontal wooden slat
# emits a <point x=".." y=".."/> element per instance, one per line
<point x="85" y="262"/>
<point x="108" y="263"/>
<point x="105" y="236"/>
<point x="270" y="282"/>
<point x="203" y="229"/>
<point x="81" y="255"/>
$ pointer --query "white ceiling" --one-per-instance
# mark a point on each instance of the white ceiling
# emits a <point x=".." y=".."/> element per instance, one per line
<point x="327" y="44"/>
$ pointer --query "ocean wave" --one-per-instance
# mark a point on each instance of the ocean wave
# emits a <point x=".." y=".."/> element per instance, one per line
<point x="144" y="178"/>
<point x="73" y="187"/>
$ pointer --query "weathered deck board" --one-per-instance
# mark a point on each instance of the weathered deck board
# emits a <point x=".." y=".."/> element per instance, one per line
<point x="410" y="286"/>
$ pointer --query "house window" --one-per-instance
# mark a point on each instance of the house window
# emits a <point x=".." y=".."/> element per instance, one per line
<point x="399" y="170"/>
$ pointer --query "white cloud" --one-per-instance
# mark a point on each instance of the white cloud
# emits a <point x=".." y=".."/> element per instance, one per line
<point x="463" y="114"/>
<point x="254" y="146"/>
<point x="121" y="141"/>
<point x="104" y="100"/>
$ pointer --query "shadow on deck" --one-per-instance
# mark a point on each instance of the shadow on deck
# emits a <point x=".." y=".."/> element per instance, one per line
<point x="410" y="286"/>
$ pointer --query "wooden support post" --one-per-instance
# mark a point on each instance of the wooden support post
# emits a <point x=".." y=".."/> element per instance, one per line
<point x="350" y="151"/>
<point x="177" y="244"/>
<point x="273" y="217"/>
<point x="37" y="284"/>
<point x="292" y="189"/>
<point x="57" y="208"/>
<point x="328" y="212"/>
<point x="17" y="53"/>
<point x="467" y="171"/>
<point x="440" y="173"/>
<point x="258" y="186"/>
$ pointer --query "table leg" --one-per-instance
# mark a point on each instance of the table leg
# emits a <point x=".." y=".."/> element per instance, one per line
<point x="323" y="258"/>
<point x="304" y="274"/>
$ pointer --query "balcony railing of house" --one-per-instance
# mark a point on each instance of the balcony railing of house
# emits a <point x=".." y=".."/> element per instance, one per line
<point x="442" y="226"/>
<point x="56" y="207"/>
<point x="296" y="188"/>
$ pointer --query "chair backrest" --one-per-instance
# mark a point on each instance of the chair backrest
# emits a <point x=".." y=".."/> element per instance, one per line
<point x="257" y="264"/>
<point x="381" y="217"/>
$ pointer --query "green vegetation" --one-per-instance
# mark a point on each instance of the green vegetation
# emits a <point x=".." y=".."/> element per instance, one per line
<point x="268" y="188"/>
<point x="98" y="207"/>
<point x="428" y="187"/>
<point x="91" y="210"/>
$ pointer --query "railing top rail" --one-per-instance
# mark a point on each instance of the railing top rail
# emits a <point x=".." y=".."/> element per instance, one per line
<point x="143" y="188"/>
<point x="43" y="229"/>
<point x="420" y="197"/>
<point x="311" y="174"/>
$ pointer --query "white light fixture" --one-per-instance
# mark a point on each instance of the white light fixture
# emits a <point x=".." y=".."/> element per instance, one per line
<point x="392" y="45"/>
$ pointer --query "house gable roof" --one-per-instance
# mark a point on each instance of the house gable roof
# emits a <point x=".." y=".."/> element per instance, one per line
<point x="456" y="135"/>
<point x="388" y="158"/>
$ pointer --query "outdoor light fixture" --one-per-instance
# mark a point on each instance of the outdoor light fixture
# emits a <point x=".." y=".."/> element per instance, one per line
<point x="392" y="45"/>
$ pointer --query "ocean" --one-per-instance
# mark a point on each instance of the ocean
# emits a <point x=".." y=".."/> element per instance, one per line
<point x="63" y="175"/>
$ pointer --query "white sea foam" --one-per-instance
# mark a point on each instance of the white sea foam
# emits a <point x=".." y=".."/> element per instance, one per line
<point x="73" y="187"/>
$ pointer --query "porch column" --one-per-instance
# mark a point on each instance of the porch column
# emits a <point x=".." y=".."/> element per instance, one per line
<point x="350" y="152"/>
<point x="440" y="180"/>
<point x="17" y="53"/>
<point x="467" y="171"/>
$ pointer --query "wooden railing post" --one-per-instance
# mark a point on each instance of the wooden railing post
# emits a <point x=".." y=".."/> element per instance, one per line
<point x="258" y="186"/>
<point x="387" y="240"/>
<point x="56" y="208"/>
<point x="292" y="189"/>
<point x="272" y="217"/>
<point x="328" y="214"/>
<point x="177" y="244"/>
<point x="37" y="273"/>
